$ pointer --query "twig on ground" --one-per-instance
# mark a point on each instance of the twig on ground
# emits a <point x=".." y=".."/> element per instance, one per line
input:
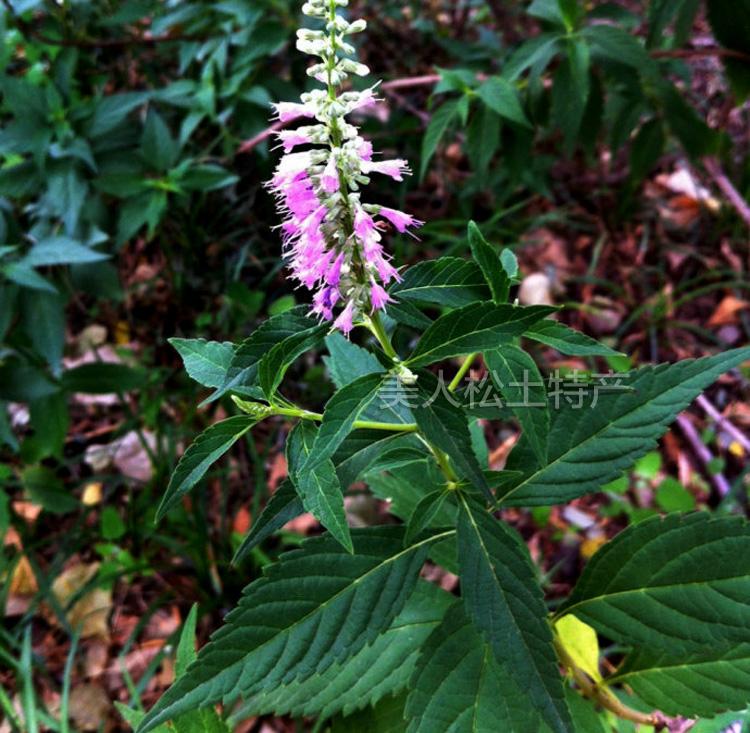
<point x="721" y="179"/>
<point x="704" y="454"/>
<point x="724" y="423"/>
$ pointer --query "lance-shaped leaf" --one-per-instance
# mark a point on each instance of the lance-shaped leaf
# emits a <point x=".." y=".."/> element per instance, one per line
<point x="448" y="281"/>
<point x="459" y="685"/>
<point x="242" y="373"/>
<point x="567" y="340"/>
<point x="317" y="485"/>
<point x="678" y="584"/>
<point x="489" y="262"/>
<point x="447" y="427"/>
<point x="339" y="416"/>
<point x="274" y="365"/>
<point x="294" y="623"/>
<point x="283" y="506"/>
<point x="347" y="361"/>
<point x="203" y="452"/>
<point x="475" y="327"/>
<point x="700" y="684"/>
<point x="382" y="668"/>
<point x="517" y="377"/>
<point x="363" y="448"/>
<point x="205" y="361"/>
<point x="503" y="599"/>
<point x="588" y="448"/>
<point x="430" y="507"/>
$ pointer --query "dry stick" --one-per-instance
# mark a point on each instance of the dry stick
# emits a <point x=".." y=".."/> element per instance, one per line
<point x="705" y="455"/>
<point x="721" y="179"/>
<point x="700" y="53"/>
<point x="723" y="422"/>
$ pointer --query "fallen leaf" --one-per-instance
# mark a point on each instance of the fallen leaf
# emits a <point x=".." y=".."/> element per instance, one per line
<point x="89" y="705"/>
<point x="727" y="311"/>
<point x="91" y="611"/>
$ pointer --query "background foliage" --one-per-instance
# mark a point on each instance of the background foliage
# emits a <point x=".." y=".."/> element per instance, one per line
<point x="132" y="211"/>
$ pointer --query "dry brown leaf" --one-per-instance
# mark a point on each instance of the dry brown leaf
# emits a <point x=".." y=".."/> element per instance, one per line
<point x="91" y="611"/>
<point x="89" y="705"/>
<point x="727" y="311"/>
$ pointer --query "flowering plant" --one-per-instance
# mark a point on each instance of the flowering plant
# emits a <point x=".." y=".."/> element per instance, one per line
<point x="345" y="622"/>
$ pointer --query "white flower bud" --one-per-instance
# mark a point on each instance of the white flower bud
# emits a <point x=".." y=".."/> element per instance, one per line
<point x="317" y="70"/>
<point x="353" y="67"/>
<point x="357" y="26"/>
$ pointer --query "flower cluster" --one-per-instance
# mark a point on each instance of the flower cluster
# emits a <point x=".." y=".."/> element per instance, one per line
<point x="332" y="239"/>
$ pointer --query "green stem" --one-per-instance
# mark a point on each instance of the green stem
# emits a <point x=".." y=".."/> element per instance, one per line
<point x="462" y="371"/>
<point x="358" y="424"/>
<point x="378" y="330"/>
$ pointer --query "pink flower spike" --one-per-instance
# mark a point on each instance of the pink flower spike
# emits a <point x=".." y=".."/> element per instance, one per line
<point x="365" y="150"/>
<point x="288" y="111"/>
<point x="393" y="168"/>
<point x="345" y="320"/>
<point x="334" y="271"/>
<point x="386" y="271"/>
<point x="290" y="139"/>
<point x="364" y="225"/>
<point x="378" y="297"/>
<point x="330" y="178"/>
<point x="399" y="219"/>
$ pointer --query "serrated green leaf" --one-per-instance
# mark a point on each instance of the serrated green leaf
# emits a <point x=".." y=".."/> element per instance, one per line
<point x="517" y="378"/>
<point x="274" y="365"/>
<point x="483" y="139"/>
<point x="205" y="361"/>
<point x="474" y="327"/>
<point x="567" y="340"/>
<point x="283" y="506"/>
<point x="317" y="484"/>
<point x="347" y="361"/>
<point x="489" y="262"/>
<point x="385" y="717"/>
<point x="501" y="96"/>
<point x="438" y="126"/>
<point x="380" y="669"/>
<point x="459" y="686"/>
<point x="200" y="721"/>
<point x="242" y="374"/>
<point x="589" y="448"/>
<point x="444" y="425"/>
<point x="503" y="599"/>
<point x="340" y="413"/>
<point x="112" y="110"/>
<point x="701" y="684"/>
<point x="363" y="448"/>
<point x="449" y="281"/>
<point x="60" y="251"/>
<point x="677" y="585"/>
<point x="570" y="91"/>
<point x="286" y="628"/>
<point x="203" y="452"/>
<point x="186" y="653"/>
<point x="425" y="514"/>
<point x="616" y="44"/>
